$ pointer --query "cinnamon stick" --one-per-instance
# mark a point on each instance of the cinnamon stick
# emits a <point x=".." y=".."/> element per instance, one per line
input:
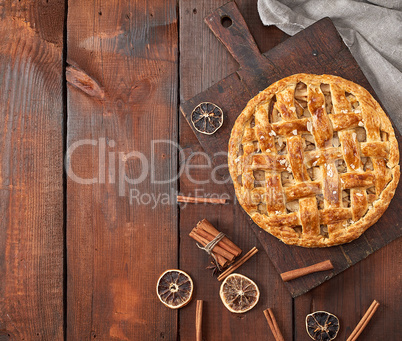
<point x="293" y="274"/>
<point x="273" y="325"/>
<point x="198" y="320"/>
<point x="240" y="262"/>
<point x="220" y="259"/>
<point x="364" y="321"/>
<point x="192" y="200"/>
<point x="206" y="226"/>
<point x="217" y="249"/>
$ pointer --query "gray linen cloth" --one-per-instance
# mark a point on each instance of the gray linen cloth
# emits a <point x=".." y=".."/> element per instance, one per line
<point x="371" y="29"/>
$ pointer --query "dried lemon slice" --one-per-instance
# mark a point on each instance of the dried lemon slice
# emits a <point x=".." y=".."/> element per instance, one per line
<point x="207" y="118"/>
<point x="322" y="326"/>
<point x="174" y="288"/>
<point x="239" y="293"/>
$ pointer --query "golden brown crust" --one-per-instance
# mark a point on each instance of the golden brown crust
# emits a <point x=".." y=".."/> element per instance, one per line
<point x="314" y="160"/>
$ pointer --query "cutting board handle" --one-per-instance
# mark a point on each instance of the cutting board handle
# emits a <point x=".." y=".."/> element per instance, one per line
<point x="229" y="27"/>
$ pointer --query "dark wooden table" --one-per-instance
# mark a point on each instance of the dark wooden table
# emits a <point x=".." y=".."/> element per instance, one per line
<point x="81" y="250"/>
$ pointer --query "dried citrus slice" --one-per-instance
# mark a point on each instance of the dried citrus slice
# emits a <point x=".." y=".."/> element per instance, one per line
<point x="239" y="293"/>
<point x="174" y="288"/>
<point x="207" y="118"/>
<point x="322" y="326"/>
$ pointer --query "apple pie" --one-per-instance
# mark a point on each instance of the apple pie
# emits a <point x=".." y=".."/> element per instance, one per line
<point x="314" y="160"/>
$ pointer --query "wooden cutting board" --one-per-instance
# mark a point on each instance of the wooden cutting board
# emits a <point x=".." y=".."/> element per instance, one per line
<point x="318" y="49"/>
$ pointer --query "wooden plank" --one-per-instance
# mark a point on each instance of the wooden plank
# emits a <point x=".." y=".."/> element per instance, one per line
<point x="31" y="171"/>
<point x="117" y="247"/>
<point x="350" y="294"/>
<point x="203" y="61"/>
<point x="318" y="49"/>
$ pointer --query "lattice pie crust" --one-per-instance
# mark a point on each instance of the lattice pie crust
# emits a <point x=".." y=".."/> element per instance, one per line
<point x="314" y="160"/>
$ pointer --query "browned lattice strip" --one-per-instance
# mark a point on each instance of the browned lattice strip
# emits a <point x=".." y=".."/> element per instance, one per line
<point x="322" y="128"/>
<point x="309" y="215"/>
<point x="262" y="129"/>
<point x="345" y="120"/>
<point x="285" y="103"/>
<point x="323" y="133"/>
<point x="296" y="159"/>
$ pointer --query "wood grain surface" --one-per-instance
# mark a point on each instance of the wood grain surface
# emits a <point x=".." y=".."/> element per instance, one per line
<point x="129" y="64"/>
<point x="204" y="61"/>
<point x="117" y="246"/>
<point x="317" y="49"/>
<point x="31" y="172"/>
<point x="349" y="294"/>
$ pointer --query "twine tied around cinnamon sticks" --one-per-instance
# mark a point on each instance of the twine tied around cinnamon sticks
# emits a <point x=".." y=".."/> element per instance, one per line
<point x="218" y="245"/>
<point x="209" y="247"/>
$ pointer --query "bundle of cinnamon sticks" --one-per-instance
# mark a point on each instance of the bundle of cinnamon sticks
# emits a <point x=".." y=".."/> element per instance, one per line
<point x="225" y="250"/>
